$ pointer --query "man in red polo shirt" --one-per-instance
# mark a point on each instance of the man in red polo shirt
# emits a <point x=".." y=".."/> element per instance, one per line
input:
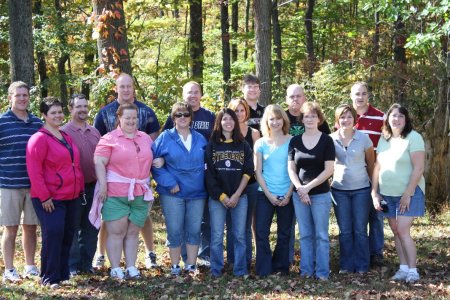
<point x="370" y="121"/>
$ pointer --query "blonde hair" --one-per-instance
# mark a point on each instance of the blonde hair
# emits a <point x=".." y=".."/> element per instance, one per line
<point x="276" y="111"/>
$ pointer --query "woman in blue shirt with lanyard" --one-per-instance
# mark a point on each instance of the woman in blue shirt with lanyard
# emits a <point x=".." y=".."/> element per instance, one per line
<point x="271" y="153"/>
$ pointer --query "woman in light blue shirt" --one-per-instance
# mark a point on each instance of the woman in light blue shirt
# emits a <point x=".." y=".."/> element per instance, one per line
<point x="274" y="195"/>
<point x="351" y="190"/>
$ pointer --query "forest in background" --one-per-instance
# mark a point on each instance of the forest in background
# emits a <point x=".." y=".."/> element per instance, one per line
<point x="400" y="47"/>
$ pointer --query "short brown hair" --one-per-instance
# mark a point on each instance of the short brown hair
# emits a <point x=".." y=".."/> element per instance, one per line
<point x="193" y="83"/>
<point x="47" y="103"/>
<point x="235" y="102"/>
<point x="181" y="106"/>
<point x="342" y="109"/>
<point x="126" y="106"/>
<point x="250" y="79"/>
<point x="17" y="85"/>
<point x="76" y="96"/>
<point x="312" y="107"/>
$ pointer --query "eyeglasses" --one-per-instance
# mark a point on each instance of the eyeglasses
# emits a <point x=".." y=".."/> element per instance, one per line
<point x="179" y="115"/>
<point x="138" y="149"/>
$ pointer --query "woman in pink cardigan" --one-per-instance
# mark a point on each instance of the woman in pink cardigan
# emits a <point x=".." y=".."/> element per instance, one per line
<point x="53" y="164"/>
<point x="122" y="160"/>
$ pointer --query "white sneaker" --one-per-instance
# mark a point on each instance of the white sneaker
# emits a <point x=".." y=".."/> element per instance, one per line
<point x="150" y="261"/>
<point x="117" y="273"/>
<point x="191" y="269"/>
<point x="204" y="262"/>
<point x="11" y="276"/>
<point x="412" y="277"/>
<point x="30" y="271"/>
<point x="133" y="273"/>
<point x="400" y="275"/>
<point x="99" y="262"/>
<point x="175" y="270"/>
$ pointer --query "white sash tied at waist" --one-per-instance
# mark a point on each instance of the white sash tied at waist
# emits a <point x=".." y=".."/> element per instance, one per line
<point x="111" y="176"/>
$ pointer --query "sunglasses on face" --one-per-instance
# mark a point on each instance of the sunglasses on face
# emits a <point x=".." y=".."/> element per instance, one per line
<point x="179" y="115"/>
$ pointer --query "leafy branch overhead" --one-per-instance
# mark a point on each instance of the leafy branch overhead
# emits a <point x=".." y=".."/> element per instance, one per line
<point x="111" y="34"/>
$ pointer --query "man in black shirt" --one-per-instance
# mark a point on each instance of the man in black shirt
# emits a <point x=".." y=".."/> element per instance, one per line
<point x="295" y="97"/>
<point x="252" y="91"/>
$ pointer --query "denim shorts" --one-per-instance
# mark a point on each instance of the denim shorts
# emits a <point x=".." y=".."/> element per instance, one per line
<point x="416" y="205"/>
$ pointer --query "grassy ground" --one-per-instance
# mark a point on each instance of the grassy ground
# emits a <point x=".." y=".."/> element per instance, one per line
<point x="433" y="246"/>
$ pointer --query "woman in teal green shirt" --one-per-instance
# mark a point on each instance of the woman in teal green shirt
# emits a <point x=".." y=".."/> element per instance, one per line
<point x="398" y="175"/>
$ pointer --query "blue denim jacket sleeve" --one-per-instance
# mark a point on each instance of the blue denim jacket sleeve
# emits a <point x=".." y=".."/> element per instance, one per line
<point x="161" y="175"/>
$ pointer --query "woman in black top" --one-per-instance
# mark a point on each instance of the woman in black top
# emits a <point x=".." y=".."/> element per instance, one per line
<point x="229" y="166"/>
<point x="251" y="135"/>
<point x="311" y="163"/>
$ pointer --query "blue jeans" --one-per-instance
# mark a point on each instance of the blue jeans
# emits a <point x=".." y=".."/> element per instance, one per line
<point x="84" y="241"/>
<point x="183" y="219"/>
<point x="267" y="263"/>
<point x="203" y="250"/>
<point x="58" y="228"/>
<point x="218" y="214"/>
<point x="313" y="226"/>
<point x="352" y="214"/>
<point x="376" y="232"/>
<point x="292" y="241"/>
<point x="252" y="196"/>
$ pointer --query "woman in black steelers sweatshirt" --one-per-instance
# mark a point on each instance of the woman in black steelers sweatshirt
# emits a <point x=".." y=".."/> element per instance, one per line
<point x="229" y="165"/>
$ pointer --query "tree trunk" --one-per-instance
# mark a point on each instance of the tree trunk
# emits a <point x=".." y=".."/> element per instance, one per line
<point x="158" y="57"/>
<point x="277" y="44"/>
<point x="187" y="44"/>
<point x="112" y="42"/>
<point x="62" y="77"/>
<point x="400" y="61"/>
<point x="376" y="39"/>
<point x="21" y="41"/>
<point x="87" y="68"/>
<point x="235" y="27"/>
<point x="247" y="28"/>
<point x="437" y="132"/>
<point x="176" y="9"/>
<point x="375" y="49"/>
<point x="41" y="62"/>
<point x="323" y="40"/>
<point x="196" y="48"/>
<point x="309" y="37"/>
<point x="226" y="67"/>
<point x="263" y="48"/>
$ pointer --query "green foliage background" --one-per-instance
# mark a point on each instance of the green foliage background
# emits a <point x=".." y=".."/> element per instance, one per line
<point x="343" y="32"/>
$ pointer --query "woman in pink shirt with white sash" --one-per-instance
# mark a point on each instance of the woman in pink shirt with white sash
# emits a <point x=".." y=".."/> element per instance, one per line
<point x="123" y="159"/>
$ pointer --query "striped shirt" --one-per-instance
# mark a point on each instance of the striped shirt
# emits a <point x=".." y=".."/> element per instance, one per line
<point x="14" y="135"/>
<point x="370" y="123"/>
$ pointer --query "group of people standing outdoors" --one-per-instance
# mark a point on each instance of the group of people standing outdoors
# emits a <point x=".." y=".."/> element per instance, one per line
<point x="232" y="170"/>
